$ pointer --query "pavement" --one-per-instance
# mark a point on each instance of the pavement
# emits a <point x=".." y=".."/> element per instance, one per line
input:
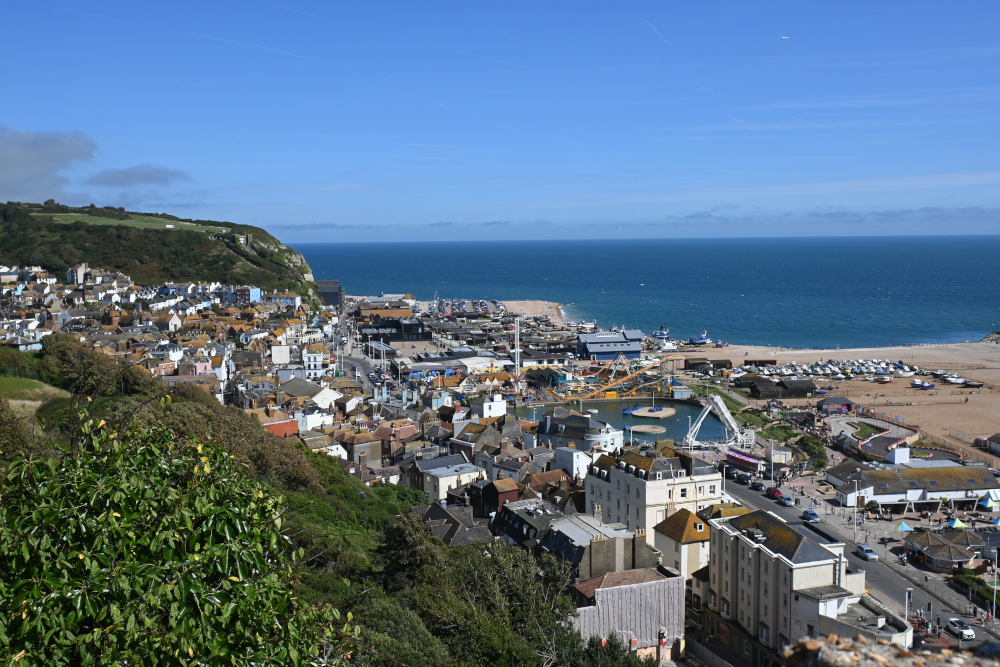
<point x="886" y="579"/>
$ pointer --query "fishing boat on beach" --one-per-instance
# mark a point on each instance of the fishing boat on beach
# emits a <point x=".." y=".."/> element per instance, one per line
<point x="663" y="333"/>
<point x="701" y="340"/>
<point x="926" y="385"/>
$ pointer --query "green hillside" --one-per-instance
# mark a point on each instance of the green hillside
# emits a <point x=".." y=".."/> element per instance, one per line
<point x="57" y="237"/>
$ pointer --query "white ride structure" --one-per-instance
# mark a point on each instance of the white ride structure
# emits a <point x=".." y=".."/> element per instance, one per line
<point x="742" y="438"/>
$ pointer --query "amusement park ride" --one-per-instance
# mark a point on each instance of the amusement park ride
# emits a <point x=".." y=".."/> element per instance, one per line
<point x="739" y="437"/>
<point x="619" y="372"/>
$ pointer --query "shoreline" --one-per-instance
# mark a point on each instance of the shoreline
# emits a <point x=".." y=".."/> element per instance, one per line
<point x="554" y="310"/>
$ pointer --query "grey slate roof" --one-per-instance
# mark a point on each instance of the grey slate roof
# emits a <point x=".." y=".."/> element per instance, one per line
<point x="782" y="539"/>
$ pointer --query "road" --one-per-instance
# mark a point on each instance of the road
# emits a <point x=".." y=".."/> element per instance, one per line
<point x="884" y="584"/>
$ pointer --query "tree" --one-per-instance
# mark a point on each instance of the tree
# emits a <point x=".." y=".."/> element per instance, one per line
<point x="872" y="506"/>
<point x="146" y="550"/>
<point x="16" y="437"/>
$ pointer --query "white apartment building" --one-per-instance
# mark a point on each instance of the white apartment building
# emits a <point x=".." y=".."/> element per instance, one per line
<point x="769" y="584"/>
<point x="316" y="360"/>
<point x="641" y="491"/>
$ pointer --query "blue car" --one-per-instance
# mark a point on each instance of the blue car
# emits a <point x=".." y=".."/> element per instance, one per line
<point x="810" y="516"/>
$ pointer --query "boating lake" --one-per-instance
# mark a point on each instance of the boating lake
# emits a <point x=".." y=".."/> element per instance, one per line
<point x="611" y="412"/>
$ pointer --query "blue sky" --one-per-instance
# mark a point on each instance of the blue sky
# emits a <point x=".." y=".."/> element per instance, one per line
<point x="388" y="121"/>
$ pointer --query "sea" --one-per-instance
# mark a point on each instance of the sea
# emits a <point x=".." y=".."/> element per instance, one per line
<point x="790" y="292"/>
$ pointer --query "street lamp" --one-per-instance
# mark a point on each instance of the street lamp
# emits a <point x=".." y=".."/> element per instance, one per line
<point x="772" y="460"/>
<point x="856" y="472"/>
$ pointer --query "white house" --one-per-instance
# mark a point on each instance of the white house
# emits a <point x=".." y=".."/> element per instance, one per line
<point x="489" y="406"/>
<point x="575" y="462"/>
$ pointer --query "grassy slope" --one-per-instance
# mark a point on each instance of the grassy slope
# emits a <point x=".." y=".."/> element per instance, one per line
<point x="25" y="389"/>
<point x="137" y="220"/>
<point x="150" y="254"/>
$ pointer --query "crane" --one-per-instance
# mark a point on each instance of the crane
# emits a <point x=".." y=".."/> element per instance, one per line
<point x="744" y="438"/>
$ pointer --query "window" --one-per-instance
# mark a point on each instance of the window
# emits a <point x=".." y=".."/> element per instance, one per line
<point x="765" y="588"/>
<point x="742" y="597"/>
<point x="619" y="485"/>
<point x="743" y="553"/>
<point x="727" y="587"/>
<point x="765" y="567"/>
<point x="727" y="547"/>
<point x="637" y="492"/>
<point x="701" y="490"/>
<point x="699" y="526"/>
<point x="628" y="488"/>
<point x="711" y="489"/>
<point x="725" y="608"/>
<point x="784" y="623"/>
<point x="742" y="574"/>
<point x="741" y="615"/>
<point x="592" y="505"/>
<point x="636" y="512"/>
<point x="713" y="559"/>
<point x="670" y="493"/>
<point x="684" y="493"/>
<point x="810" y="630"/>
<point x="765" y="633"/>
<point x="677" y="565"/>
<point x="746" y="647"/>
<point x="591" y="490"/>
<point x="727" y="567"/>
<point x="677" y="547"/>
<point x="627" y="509"/>
<point x="765" y="610"/>
<point x="600" y="494"/>
<point x="786" y="578"/>
<point x="618" y="502"/>
<point x="784" y="599"/>
<point x="713" y="578"/>
<point x="749" y="580"/>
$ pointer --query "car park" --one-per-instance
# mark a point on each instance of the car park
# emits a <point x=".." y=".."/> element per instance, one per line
<point x="810" y="516"/>
<point x="960" y="629"/>
<point x="866" y="552"/>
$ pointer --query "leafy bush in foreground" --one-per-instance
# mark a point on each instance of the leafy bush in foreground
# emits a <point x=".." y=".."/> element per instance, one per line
<point x="148" y="551"/>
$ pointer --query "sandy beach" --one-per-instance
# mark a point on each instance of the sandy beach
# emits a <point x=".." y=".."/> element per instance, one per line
<point x="942" y="412"/>
<point x="548" y="309"/>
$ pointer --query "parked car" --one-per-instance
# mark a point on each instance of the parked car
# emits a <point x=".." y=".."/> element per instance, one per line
<point x="743" y="478"/>
<point x="731" y="473"/>
<point x="866" y="552"/>
<point x="786" y="501"/>
<point x="757" y="486"/>
<point x="774" y="493"/>
<point x="960" y="629"/>
<point x="810" y="516"/>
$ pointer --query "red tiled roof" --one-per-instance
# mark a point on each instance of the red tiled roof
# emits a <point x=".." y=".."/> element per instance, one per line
<point x="614" y="579"/>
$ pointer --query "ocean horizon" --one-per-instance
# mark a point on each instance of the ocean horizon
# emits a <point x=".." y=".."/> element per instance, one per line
<point x="799" y="292"/>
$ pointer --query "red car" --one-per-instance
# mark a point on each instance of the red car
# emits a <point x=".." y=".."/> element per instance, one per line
<point x="774" y="493"/>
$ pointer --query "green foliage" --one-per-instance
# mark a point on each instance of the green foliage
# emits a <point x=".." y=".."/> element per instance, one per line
<point x="611" y="653"/>
<point x="872" y="506"/>
<point x="814" y="447"/>
<point x="149" y="255"/>
<point x="146" y="550"/>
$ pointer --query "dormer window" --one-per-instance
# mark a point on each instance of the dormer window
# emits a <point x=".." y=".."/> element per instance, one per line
<point x="699" y="526"/>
